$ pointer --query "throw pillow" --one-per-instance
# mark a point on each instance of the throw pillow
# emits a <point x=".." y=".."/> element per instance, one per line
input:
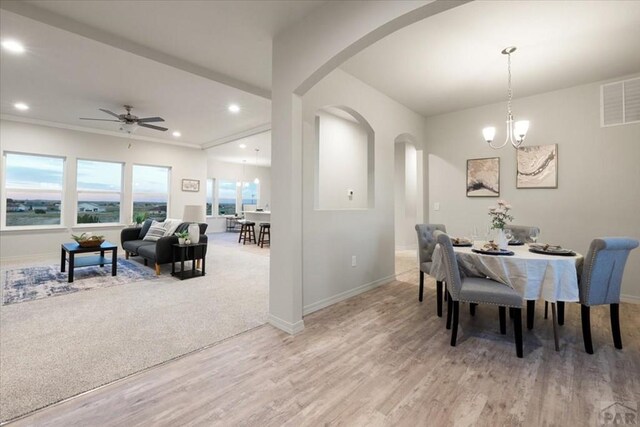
<point x="145" y="227"/>
<point x="156" y="231"/>
<point x="170" y="226"/>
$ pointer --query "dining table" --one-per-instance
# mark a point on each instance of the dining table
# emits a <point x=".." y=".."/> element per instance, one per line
<point x="553" y="278"/>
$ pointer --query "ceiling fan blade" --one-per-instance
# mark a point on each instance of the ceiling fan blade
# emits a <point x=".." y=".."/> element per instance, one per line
<point x="144" y="125"/>
<point x="109" y="112"/>
<point x="150" y="119"/>
<point x="100" y="120"/>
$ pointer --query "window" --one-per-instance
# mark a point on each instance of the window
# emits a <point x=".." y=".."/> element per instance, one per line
<point x="99" y="186"/>
<point x="227" y="197"/>
<point x="211" y="188"/>
<point x="151" y="191"/>
<point x="33" y="189"/>
<point x="250" y="194"/>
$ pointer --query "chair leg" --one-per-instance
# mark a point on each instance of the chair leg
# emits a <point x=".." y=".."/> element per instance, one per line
<point x="517" y="325"/>
<point x="472" y="309"/>
<point x="421" y="286"/>
<point x="449" y="311"/>
<point x="126" y="254"/>
<point x="438" y="298"/>
<point x="556" y="340"/>
<point x="546" y="309"/>
<point x="454" y="327"/>
<point x="531" y="311"/>
<point x="445" y="290"/>
<point x="241" y="233"/>
<point x="157" y="269"/>
<point x="614" y="310"/>
<point x="560" y="306"/>
<point x="503" y="319"/>
<point x="586" y="328"/>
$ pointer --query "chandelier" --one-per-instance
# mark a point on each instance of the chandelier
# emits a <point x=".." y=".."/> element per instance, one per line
<point x="516" y="131"/>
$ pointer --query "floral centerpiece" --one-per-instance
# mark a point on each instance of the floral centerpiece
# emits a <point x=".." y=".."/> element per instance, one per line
<point x="499" y="217"/>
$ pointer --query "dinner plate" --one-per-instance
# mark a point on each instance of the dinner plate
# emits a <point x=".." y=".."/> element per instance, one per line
<point x="557" y="252"/>
<point x="462" y="245"/>
<point x="490" y="252"/>
<point x="516" y="243"/>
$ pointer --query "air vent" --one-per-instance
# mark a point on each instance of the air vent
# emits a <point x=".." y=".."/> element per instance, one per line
<point x="620" y="103"/>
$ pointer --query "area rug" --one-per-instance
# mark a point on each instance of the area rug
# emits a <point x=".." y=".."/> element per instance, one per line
<point x="31" y="283"/>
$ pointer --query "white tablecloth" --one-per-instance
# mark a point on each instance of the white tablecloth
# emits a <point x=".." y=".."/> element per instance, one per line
<point x="534" y="276"/>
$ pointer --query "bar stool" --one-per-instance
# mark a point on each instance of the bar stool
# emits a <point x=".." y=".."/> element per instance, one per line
<point x="265" y="234"/>
<point x="247" y="232"/>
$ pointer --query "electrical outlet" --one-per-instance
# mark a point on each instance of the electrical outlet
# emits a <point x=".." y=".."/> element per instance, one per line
<point x="350" y="194"/>
<point x="436" y="206"/>
<point x="353" y="261"/>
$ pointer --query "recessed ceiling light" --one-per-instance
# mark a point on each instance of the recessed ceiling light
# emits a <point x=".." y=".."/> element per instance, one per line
<point x="243" y="145"/>
<point x="177" y="134"/>
<point x="234" y="108"/>
<point x="21" y="106"/>
<point x="13" y="46"/>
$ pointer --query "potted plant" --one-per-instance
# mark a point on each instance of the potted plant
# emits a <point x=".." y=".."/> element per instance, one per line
<point x="182" y="236"/>
<point x="139" y="218"/>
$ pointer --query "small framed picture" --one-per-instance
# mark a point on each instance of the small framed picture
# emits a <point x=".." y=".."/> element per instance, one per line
<point x="537" y="166"/>
<point x="483" y="177"/>
<point x="192" y="185"/>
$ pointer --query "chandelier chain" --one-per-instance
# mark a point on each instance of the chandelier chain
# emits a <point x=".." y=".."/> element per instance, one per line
<point x="510" y="91"/>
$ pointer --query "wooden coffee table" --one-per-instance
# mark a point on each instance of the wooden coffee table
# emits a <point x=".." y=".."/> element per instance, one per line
<point x="69" y="250"/>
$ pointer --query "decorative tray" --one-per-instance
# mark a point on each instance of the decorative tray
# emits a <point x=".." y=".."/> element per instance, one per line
<point x="461" y="242"/>
<point x="551" y="250"/>
<point x="492" y="251"/>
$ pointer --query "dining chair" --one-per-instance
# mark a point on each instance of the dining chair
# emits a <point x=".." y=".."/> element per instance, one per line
<point x="426" y="245"/>
<point x="523" y="233"/>
<point x="600" y="283"/>
<point x="477" y="290"/>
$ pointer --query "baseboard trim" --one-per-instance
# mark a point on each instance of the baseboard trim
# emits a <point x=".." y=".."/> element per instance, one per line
<point x="288" y="327"/>
<point x="308" y="309"/>
<point x="633" y="299"/>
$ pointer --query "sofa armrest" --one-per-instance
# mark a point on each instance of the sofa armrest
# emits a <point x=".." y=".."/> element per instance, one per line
<point x="129" y="233"/>
<point x="164" y="249"/>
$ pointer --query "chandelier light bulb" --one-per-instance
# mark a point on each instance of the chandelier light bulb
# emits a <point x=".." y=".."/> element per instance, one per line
<point x="489" y="133"/>
<point x="521" y="128"/>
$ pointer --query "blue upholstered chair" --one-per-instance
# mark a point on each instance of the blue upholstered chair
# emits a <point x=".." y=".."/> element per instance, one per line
<point x="600" y="283"/>
<point x="476" y="290"/>
<point x="426" y="245"/>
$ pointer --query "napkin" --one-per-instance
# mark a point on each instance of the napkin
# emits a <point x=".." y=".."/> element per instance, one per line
<point x="491" y="246"/>
<point x="460" y="241"/>
<point x="545" y="247"/>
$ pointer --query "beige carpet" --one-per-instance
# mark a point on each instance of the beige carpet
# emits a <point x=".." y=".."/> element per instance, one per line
<point x="54" y="348"/>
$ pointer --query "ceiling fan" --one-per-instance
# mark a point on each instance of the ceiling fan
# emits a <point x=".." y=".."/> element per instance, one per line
<point x="129" y="121"/>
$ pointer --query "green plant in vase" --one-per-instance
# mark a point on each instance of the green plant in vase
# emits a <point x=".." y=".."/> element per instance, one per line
<point x="182" y="236"/>
<point x="140" y="217"/>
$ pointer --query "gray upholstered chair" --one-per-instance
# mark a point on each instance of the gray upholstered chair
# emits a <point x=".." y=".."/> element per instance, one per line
<point x="522" y="232"/>
<point x="476" y="290"/>
<point x="426" y="245"/>
<point x="600" y="283"/>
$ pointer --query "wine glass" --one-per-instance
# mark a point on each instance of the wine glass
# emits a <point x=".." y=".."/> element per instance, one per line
<point x="508" y="234"/>
<point x="534" y="233"/>
<point x="475" y="234"/>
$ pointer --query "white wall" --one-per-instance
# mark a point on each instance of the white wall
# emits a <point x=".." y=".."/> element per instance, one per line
<point x="37" y="139"/>
<point x="342" y="163"/>
<point x="331" y="238"/>
<point x="598" y="190"/>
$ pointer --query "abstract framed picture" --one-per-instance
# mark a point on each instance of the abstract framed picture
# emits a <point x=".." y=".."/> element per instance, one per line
<point x="192" y="185"/>
<point x="537" y="166"/>
<point x="483" y="177"/>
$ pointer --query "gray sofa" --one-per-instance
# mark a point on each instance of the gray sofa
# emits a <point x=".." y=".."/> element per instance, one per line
<point x="158" y="252"/>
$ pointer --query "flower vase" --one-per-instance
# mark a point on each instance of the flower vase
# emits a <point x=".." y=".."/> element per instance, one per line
<point x="501" y="239"/>
<point x="181" y="240"/>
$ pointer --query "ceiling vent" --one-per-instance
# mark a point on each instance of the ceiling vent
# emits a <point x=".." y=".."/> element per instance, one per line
<point x="620" y="103"/>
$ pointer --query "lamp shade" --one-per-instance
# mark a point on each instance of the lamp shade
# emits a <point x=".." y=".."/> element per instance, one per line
<point x="193" y="213"/>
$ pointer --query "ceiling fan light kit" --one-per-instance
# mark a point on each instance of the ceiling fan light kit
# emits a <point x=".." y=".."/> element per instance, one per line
<point x="129" y="122"/>
<point x="516" y="131"/>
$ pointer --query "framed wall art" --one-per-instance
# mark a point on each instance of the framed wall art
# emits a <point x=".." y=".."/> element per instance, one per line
<point x="537" y="166"/>
<point x="483" y="177"/>
<point x="192" y="185"/>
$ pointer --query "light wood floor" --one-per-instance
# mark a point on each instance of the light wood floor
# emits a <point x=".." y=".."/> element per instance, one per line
<point x="381" y="358"/>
